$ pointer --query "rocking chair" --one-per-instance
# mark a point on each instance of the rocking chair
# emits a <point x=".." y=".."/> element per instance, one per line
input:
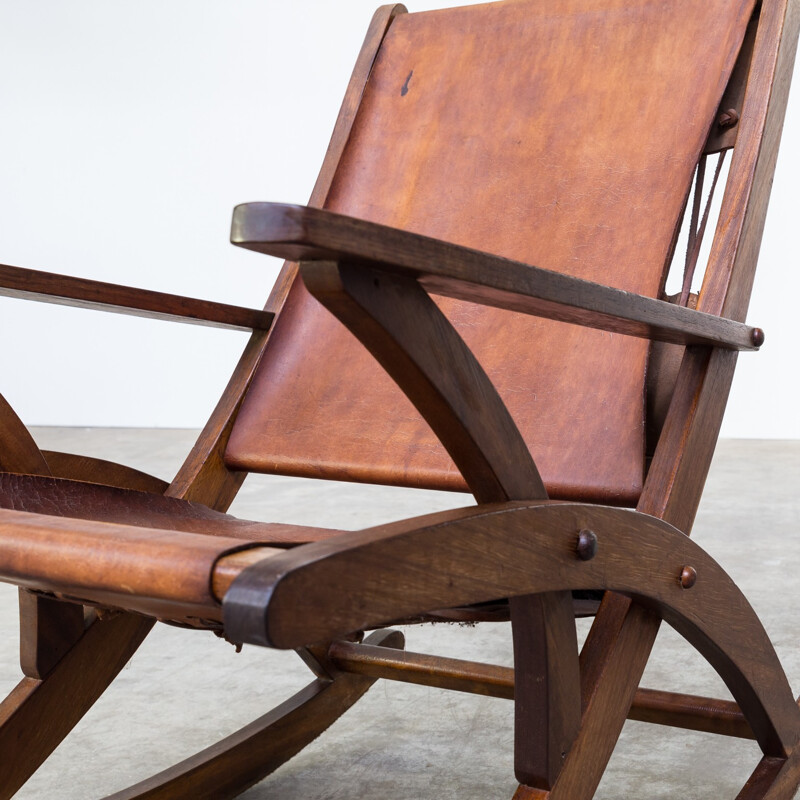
<point x="473" y="300"/>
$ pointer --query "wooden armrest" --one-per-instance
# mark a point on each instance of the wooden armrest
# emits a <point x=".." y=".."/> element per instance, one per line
<point x="299" y="233"/>
<point x="49" y="287"/>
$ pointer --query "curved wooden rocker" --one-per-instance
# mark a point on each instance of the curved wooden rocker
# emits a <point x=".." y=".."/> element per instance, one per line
<point x="543" y="240"/>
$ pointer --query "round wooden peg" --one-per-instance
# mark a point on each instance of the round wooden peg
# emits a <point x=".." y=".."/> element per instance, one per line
<point x="729" y="118"/>
<point x="688" y="577"/>
<point x="587" y="545"/>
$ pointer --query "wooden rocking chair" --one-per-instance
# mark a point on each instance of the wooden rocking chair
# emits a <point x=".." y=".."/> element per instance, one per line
<point x="528" y="163"/>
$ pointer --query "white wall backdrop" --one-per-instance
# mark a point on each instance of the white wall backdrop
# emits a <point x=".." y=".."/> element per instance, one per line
<point x="130" y="130"/>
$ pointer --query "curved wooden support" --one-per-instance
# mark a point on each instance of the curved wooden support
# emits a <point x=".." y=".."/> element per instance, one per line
<point x="242" y="759"/>
<point x="441" y="560"/>
<point x="38" y="714"/>
<point x="773" y="779"/>
<point x="18" y="451"/>
<point x="395" y="319"/>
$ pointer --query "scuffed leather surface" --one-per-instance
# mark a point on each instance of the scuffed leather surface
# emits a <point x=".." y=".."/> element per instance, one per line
<point x="562" y="134"/>
<point x="91" y="501"/>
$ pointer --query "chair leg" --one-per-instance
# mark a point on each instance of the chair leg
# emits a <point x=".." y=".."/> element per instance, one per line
<point x="48" y="630"/>
<point x="232" y="765"/>
<point x="612" y="664"/>
<point x="38" y="714"/>
<point x="547" y="685"/>
<point x="773" y="779"/>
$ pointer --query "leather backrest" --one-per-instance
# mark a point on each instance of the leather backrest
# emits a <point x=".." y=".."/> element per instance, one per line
<point x="561" y="133"/>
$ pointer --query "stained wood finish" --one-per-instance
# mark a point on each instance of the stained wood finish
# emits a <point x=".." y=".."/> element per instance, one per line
<point x="423" y="669"/>
<point x="49" y="287"/>
<point x="48" y="630"/>
<point x="619" y="644"/>
<point x="615" y="653"/>
<point x="728" y="283"/>
<point x="692" y="712"/>
<point x="396" y="320"/>
<point x="230" y="766"/>
<point x="18" y="450"/>
<point x="623" y="634"/>
<point x="529" y="793"/>
<point x="37" y="715"/>
<point x="309" y="234"/>
<point x="533" y="550"/>
<point x="707" y="714"/>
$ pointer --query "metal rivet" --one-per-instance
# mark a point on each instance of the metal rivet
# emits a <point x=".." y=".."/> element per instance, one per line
<point x="587" y="545"/>
<point x="688" y="577"/>
<point x="729" y="118"/>
<point x="757" y="337"/>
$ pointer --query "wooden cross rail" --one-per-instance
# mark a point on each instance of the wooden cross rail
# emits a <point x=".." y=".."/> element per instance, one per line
<point x="706" y="714"/>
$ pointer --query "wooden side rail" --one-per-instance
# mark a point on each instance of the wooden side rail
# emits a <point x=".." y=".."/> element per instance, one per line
<point x="293" y="598"/>
<point x="706" y="714"/>
<point x="49" y="287"/>
<point x="310" y="234"/>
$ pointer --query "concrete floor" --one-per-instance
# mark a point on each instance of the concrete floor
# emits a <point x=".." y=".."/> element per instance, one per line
<point x="182" y="691"/>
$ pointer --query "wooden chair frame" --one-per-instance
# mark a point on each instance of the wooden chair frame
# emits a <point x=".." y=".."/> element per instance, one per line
<point x="642" y="558"/>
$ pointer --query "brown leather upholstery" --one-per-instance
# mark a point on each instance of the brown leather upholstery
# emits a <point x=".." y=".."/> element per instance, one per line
<point x="443" y="147"/>
<point x="157" y="572"/>
<point x="78" y="500"/>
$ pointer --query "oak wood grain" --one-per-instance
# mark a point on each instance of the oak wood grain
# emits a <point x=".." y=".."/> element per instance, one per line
<point x="484" y="554"/>
<point x="692" y="712"/>
<point x="724" y="132"/>
<point x="396" y="320"/>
